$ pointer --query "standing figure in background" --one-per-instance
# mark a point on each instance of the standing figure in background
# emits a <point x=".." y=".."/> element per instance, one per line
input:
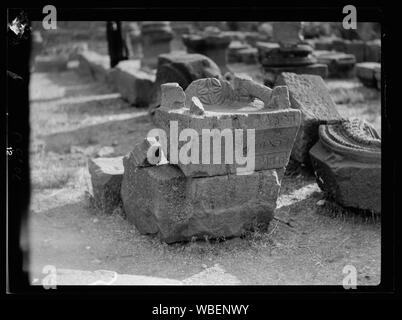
<point x="116" y="44"/>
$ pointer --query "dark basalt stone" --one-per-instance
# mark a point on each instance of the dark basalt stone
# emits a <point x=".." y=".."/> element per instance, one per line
<point x="347" y="164"/>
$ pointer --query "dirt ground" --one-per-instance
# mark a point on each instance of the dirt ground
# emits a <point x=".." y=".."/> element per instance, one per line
<point x="72" y="118"/>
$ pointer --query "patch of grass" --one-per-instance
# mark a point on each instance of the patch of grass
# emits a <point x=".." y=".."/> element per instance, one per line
<point x="334" y="210"/>
<point x="354" y="95"/>
<point x="51" y="178"/>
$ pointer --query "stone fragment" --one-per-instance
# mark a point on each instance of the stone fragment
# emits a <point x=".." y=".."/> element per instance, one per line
<point x="134" y="83"/>
<point x="340" y="65"/>
<point x="156" y="37"/>
<point x="324" y="43"/>
<point x="373" y="51"/>
<point x="196" y="107"/>
<point x="233" y="51"/>
<point x="148" y="153"/>
<point x="243" y="105"/>
<point x="213" y="44"/>
<point x="355" y="47"/>
<point x="368" y="73"/>
<point x="106" y="176"/>
<point x="280" y="57"/>
<point x="309" y="94"/>
<point x="161" y="200"/>
<point x="173" y="96"/>
<point x="287" y="33"/>
<point x="347" y="164"/>
<point x="182" y="68"/>
<point x="248" y="55"/>
<point x="94" y="65"/>
<point x="377" y="76"/>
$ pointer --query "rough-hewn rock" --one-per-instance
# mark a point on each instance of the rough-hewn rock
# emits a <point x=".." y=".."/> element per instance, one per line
<point x="309" y="94"/>
<point x="214" y="44"/>
<point x="106" y="176"/>
<point x="373" y="51"/>
<point x="234" y="49"/>
<point x="297" y="58"/>
<point x="287" y="33"/>
<point x="182" y="68"/>
<point x="340" y="65"/>
<point x="161" y="200"/>
<point x="134" y="84"/>
<point x="243" y="104"/>
<point x="347" y="164"/>
<point x="94" y="65"/>
<point x="369" y="73"/>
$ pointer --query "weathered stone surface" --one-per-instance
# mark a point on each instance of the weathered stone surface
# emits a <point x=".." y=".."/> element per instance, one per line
<point x="148" y="153"/>
<point x="233" y="51"/>
<point x="213" y="44"/>
<point x="243" y="104"/>
<point x="50" y="64"/>
<point x="277" y="58"/>
<point x="94" y="65"/>
<point x="106" y="176"/>
<point x="156" y="37"/>
<point x="368" y="73"/>
<point x="373" y="51"/>
<point x="134" y="84"/>
<point x="347" y="164"/>
<point x="271" y="74"/>
<point x="287" y="33"/>
<point x="182" y="68"/>
<point x="161" y="200"/>
<point x="309" y="94"/>
<point x="249" y="56"/>
<point x="340" y="65"/>
<point x="324" y="43"/>
<point x="377" y="76"/>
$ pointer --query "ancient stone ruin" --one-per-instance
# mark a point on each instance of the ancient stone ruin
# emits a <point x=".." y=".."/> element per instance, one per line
<point x="369" y="73"/>
<point x="211" y="43"/>
<point x="182" y="68"/>
<point x="106" y="175"/>
<point x="347" y="164"/>
<point x="223" y="106"/>
<point x="288" y="54"/>
<point x="180" y="201"/>
<point x="340" y="65"/>
<point x="156" y="37"/>
<point x="309" y="94"/>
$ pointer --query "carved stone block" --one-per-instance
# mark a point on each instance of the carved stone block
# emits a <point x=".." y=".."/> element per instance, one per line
<point x="310" y="95"/>
<point x="368" y="73"/>
<point x="106" y="176"/>
<point x="134" y="84"/>
<point x="340" y="65"/>
<point x="161" y="200"/>
<point x="347" y="164"/>
<point x="242" y="104"/>
<point x="182" y="68"/>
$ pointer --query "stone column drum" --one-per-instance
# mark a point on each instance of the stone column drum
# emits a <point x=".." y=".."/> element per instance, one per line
<point x="156" y="37"/>
<point x="347" y="164"/>
<point x="213" y="44"/>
